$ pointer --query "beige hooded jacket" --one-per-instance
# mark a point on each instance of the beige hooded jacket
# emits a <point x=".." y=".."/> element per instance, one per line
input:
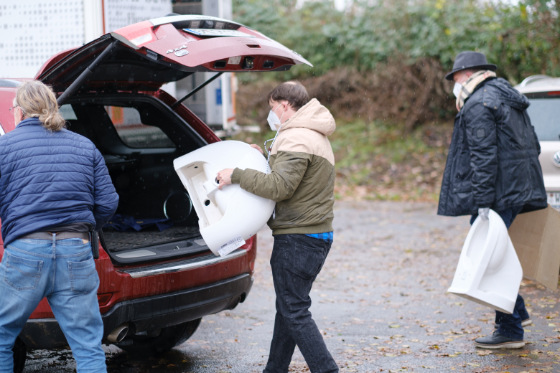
<point x="302" y="173"/>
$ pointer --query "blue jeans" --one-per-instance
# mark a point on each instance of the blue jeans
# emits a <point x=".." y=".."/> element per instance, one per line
<point x="64" y="272"/>
<point x="296" y="261"/>
<point x="510" y="325"/>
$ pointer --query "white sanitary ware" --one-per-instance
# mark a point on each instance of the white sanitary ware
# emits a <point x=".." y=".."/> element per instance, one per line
<point x="229" y="216"/>
<point x="488" y="271"/>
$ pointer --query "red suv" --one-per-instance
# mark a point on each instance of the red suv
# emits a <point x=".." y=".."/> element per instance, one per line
<point x="158" y="277"/>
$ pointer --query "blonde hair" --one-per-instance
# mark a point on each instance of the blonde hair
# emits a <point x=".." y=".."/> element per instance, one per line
<point x="37" y="100"/>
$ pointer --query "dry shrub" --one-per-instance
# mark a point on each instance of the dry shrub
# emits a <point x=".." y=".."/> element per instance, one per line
<point x="403" y="95"/>
<point x="410" y="95"/>
<point x="251" y="103"/>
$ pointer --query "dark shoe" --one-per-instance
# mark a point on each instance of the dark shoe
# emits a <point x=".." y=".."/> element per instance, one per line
<point x="498" y="341"/>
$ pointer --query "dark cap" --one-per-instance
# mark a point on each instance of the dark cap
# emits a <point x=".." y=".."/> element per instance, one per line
<point x="470" y="60"/>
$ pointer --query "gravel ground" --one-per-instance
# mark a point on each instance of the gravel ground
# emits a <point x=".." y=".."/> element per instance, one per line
<point x="380" y="302"/>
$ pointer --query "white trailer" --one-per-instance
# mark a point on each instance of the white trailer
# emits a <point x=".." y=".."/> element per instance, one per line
<point x="35" y="30"/>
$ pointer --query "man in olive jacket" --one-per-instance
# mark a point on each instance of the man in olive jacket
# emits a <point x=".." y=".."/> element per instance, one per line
<point x="492" y="164"/>
<point x="301" y="182"/>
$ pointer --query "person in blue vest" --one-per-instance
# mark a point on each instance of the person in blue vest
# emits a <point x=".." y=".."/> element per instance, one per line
<point x="54" y="190"/>
<point x="492" y="164"/>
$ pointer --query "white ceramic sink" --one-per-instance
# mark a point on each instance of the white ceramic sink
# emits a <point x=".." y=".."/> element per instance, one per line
<point x="229" y="216"/>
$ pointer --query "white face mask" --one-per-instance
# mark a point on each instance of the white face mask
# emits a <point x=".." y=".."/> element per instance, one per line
<point x="273" y="121"/>
<point x="457" y="89"/>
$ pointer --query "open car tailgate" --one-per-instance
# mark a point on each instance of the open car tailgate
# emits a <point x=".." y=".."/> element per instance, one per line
<point x="148" y="54"/>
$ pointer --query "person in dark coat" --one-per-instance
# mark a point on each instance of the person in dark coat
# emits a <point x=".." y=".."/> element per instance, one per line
<point x="492" y="164"/>
<point x="54" y="189"/>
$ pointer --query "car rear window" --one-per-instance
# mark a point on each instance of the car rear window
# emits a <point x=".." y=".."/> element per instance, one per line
<point x="133" y="132"/>
<point x="545" y="117"/>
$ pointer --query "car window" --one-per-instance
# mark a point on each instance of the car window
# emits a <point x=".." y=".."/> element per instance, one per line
<point x="545" y="117"/>
<point x="133" y="132"/>
<point x="67" y="112"/>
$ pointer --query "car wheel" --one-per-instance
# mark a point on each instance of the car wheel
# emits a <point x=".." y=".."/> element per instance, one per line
<point x="160" y="341"/>
<point x="20" y="355"/>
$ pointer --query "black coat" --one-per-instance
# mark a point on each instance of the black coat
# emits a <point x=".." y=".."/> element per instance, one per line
<point x="493" y="156"/>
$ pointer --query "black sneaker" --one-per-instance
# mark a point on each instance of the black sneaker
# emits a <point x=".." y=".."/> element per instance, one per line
<point x="498" y="341"/>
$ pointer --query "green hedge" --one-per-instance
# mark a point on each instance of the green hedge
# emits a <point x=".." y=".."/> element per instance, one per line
<point x="522" y="39"/>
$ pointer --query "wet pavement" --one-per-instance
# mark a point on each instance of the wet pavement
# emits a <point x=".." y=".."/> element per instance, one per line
<point x="380" y="302"/>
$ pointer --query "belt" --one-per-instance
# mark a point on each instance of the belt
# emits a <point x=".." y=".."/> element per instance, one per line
<point x="59" y="235"/>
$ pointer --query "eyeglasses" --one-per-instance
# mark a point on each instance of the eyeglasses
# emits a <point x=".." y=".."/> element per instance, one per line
<point x="13" y="107"/>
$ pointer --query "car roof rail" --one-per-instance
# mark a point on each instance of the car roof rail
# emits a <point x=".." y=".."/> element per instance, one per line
<point x="531" y="79"/>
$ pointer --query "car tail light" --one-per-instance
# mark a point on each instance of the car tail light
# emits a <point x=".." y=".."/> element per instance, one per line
<point x="104" y="298"/>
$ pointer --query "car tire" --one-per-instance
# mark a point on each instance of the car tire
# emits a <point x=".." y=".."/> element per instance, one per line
<point x="164" y="341"/>
<point x="20" y="355"/>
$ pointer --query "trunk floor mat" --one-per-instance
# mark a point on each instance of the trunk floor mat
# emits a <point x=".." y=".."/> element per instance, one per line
<point x="119" y="241"/>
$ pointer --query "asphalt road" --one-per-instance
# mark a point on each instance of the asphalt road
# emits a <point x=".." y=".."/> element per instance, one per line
<point x="380" y="302"/>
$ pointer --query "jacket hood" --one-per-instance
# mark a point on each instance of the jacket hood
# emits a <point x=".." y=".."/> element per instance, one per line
<point x="312" y="116"/>
<point x="510" y="95"/>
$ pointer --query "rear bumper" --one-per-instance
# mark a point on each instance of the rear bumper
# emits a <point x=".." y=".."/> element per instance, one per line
<point x="148" y="313"/>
